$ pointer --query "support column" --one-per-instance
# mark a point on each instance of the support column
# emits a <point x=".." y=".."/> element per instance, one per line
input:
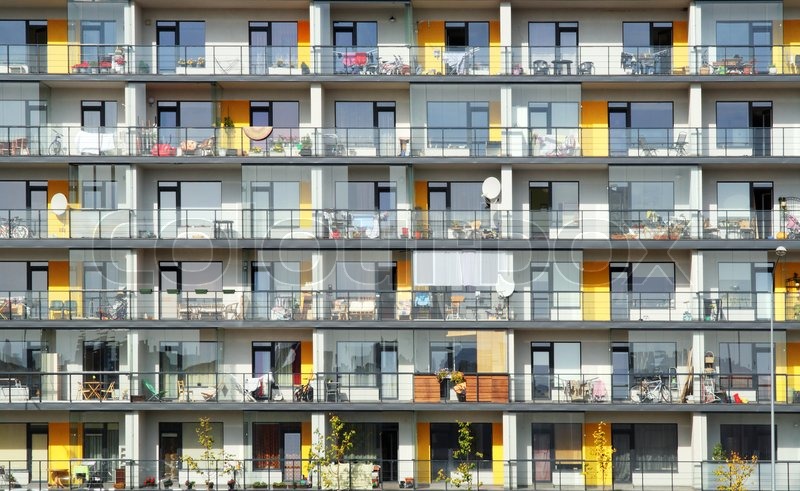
<point x="698" y="141"/>
<point x="699" y="447"/>
<point x="129" y="450"/>
<point x="316" y="116"/>
<point x="506" y="201"/>
<point x="505" y="36"/>
<point x="510" y="448"/>
<point x="398" y="175"/>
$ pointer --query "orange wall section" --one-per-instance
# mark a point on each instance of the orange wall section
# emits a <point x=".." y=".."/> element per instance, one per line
<point x="306" y="360"/>
<point x="594" y="476"/>
<point x="305" y="444"/>
<point x="498" y="463"/>
<point x="59" y="55"/>
<point x="594" y="128"/>
<point x="424" y="453"/>
<point x="495" y="53"/>
<point x="304" y="42"/>
<point x="596" y="291"/>
<point x="63" y="446"/>
<point x="680" y="44"/>
<point x="791" y="41"/>
<point x="239" y="112"/>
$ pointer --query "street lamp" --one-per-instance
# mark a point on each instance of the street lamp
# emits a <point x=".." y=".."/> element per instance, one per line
<point x="780" y="251"/>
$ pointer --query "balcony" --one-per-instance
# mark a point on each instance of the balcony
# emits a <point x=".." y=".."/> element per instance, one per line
<point x="303" y="306"/>
<point x="366" y="225"/>
<point x="398" y="60"/>
<point x="191" y="143"/>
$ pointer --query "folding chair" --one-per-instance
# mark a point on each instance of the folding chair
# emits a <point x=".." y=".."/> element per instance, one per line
<point x="646" y="149"/>
<point x="152" y="393"/>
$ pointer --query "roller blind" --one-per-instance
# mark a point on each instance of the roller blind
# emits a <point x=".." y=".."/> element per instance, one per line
<point x="459" y="268"/>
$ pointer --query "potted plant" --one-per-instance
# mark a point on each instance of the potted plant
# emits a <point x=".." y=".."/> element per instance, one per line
<point x="231" y="483"/>
<point x="209" y="485"/>
<point x="459" y="384"/>
<point x="705" y="69"/>
<point x="189" y="484"/>
<point x="150" y="482"/>
<point x="277" y="146"/>
<point x="167" y="483"/>
<point x="259" y="485"/>
<point x="12" y="481"/>
<point x="255" y="151"/>
<point x="201" y="62"/>
<point x="305" y="146"/>
<point x="773" y="70"/>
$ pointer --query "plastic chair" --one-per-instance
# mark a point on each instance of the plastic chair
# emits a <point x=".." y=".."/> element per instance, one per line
<point x="680" y="144"/>
<point x="586" y="68"/>
<point x="57" y="309"/>
<point x="646" y="149"/>
<point x="152" y="393"/>
<point x="541" y="67"/>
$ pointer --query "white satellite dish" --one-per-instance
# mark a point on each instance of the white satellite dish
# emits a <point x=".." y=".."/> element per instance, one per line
<point x="58" y="204"/>
<point x="491" y="189"/>
<point x="503" y="287"/>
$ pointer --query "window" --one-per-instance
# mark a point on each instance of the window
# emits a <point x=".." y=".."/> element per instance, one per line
<point x="353" y="277"/>
<point x="466" y="46"/>
<point x="99" y="195"/>
<point x="747" y="440"/>
<point x="648" y="358"/>
<point x="366" y="124"/>
<point x="281" y="359"/>
<point x="101" y="443"/>
<point x="283" y="116"/>
<point x="745" y="366"/>
<point x="457" y="196"/>
<point x="656" y="447"/>
<point x="272" y="44"/>
<point x="552" y="365"/>
<point x="650" y="44"/>
<point x="639" y="125"/>
<point x="355" y="34"/>
<point x="273" y="443"/>
<point x="181" y="44"/>
<point x="744" y="125"/>
<point x="454" y="355"/>
<point x="22" y="41"/>
<point x="444" y="439"/>
<point x="184" y="120"/>
<point x="459" y="269"/>
<point x="98" y="41"/>
<point x="98" y="186"/>
<point x="746" y="286"/>
<point x="101" y="356"/>
<point x="553" y="117"/>
<point x="190" y="276"/>
<point x="641" y="286"/>
<point x="369" y="195"/>
<point x="553" y="205"/>
<point x="550" y="41"/>
<point x="555" y="285"/>
<point x="98" y="114"/>
<point x="276" y="203"/>
<point x="737" y="201"/>
<point x="193" y="362"/>
<point x="556" y="446"/>
<point x="640" y="207"/>
<point x="458" y="125"/>
<point x="358" y="363"/>
<point x="750" y="41"/>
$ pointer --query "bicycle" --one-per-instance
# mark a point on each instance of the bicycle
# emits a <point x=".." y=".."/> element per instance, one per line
<point x="56" y="147"/>
<point x="304" y="393"/>
<point x="13" y="228"/>
<point x="651" y="390"/>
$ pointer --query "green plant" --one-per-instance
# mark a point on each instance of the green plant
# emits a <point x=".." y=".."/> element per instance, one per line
<point x="227" y="122"/>
<point x="255" y="150"/>
<point x="442" y="374"/>
<point x="277" y="145"/>
<point x="457" y="377"/>
<point x="280" y="485"/>
<point x="732" y="475"/>
<point x="211" y="457"/>
<point x="189" y="484"/>
<point x="718" y="453"/>
<point x="464" y="456"/>
<point x="329" y="452"/>
<point x="259" y="485"/>
<point x="305" y="142"/>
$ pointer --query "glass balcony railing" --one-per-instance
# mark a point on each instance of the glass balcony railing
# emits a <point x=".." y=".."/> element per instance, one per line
<point x="391" y="387"/>
<point x="440" y="225"/>
<point x="237" y="304"/>
<point x="529" y="143"/>
<point x="642" y="470"/>
<point x="399" y="60"/>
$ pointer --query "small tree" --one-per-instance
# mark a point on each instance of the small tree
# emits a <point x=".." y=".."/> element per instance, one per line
<point x="329" y="452"/>
<point x="463" y="454"/>
<point x="732" y="475"/>
<point x="210" y="456"/>
<point x="602" y="452"/>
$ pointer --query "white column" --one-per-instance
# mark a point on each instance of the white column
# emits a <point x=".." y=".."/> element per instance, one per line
<point x="698" y="361"/>
<point x="133" y="365"/>
<point x="505" y="35"/>
<point x="129" y="448"/>
<point x="699" y="445"/>
<point x="406" y="443"/>
<point x="506" y="203"/>
<point x="316" y="116"/>
<point x="320" y="24"/>
<point x="698" y="140"/>
<point x="510" y="449"/>
<point x="398" y="175"/>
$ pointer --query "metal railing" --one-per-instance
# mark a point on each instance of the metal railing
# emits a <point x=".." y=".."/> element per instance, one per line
<point x="407" y="142"/>
<point x="399" y="60"/>
<point x="237" y="304"/>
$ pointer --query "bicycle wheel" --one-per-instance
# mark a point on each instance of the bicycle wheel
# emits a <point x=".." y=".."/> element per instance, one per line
<point x="665" y="395"/>
<point x="55" y="148"/>
<point x="20" y="232"/>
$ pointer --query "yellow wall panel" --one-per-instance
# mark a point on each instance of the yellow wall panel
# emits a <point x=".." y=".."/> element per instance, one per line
<point x="404" y="274"/>
<point x="239" y="112"/>
<point x="424" y="453"/>
<point x="306" y="213"/>
<point x="594" y="128"/>
<point x="596" y="287"/>
<point x="305" y="444"/>
<point x="497" y="454"/>
<point x="306" y="360"/>
<point x="593" y="474"/>
<point x="58" y="283"/>
<point x="492" y="352"/>
<point x="58" y="54"/>
<point x="791" y="41"/>
<point x="303" y="43"/>
<point x="430" y="38"/>
<point x="495" y="129"/>
<point x="421" y="195"/>
<point x="57" y="226"/>
<point x="680" y="44"/>
<point x="793" y="366"/>
<point x="63" y="447"/>
<point x="495" y="52"/>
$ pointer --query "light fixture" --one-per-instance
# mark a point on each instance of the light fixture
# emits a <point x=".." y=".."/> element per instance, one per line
<point x="392" y="19"/>
<point x="782" y="202"/>
<point x="151" y="101"/>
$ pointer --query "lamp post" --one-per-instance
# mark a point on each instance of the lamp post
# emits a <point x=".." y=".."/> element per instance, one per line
<point x="780" y="251"/>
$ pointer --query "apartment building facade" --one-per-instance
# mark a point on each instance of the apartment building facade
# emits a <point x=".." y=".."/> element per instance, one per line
<point x="542" y="218"/>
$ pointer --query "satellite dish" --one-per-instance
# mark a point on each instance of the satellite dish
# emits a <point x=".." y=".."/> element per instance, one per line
<point x="503" y="287"/>
<point x="58" y="204"/>
<point x="491" y="189"/>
